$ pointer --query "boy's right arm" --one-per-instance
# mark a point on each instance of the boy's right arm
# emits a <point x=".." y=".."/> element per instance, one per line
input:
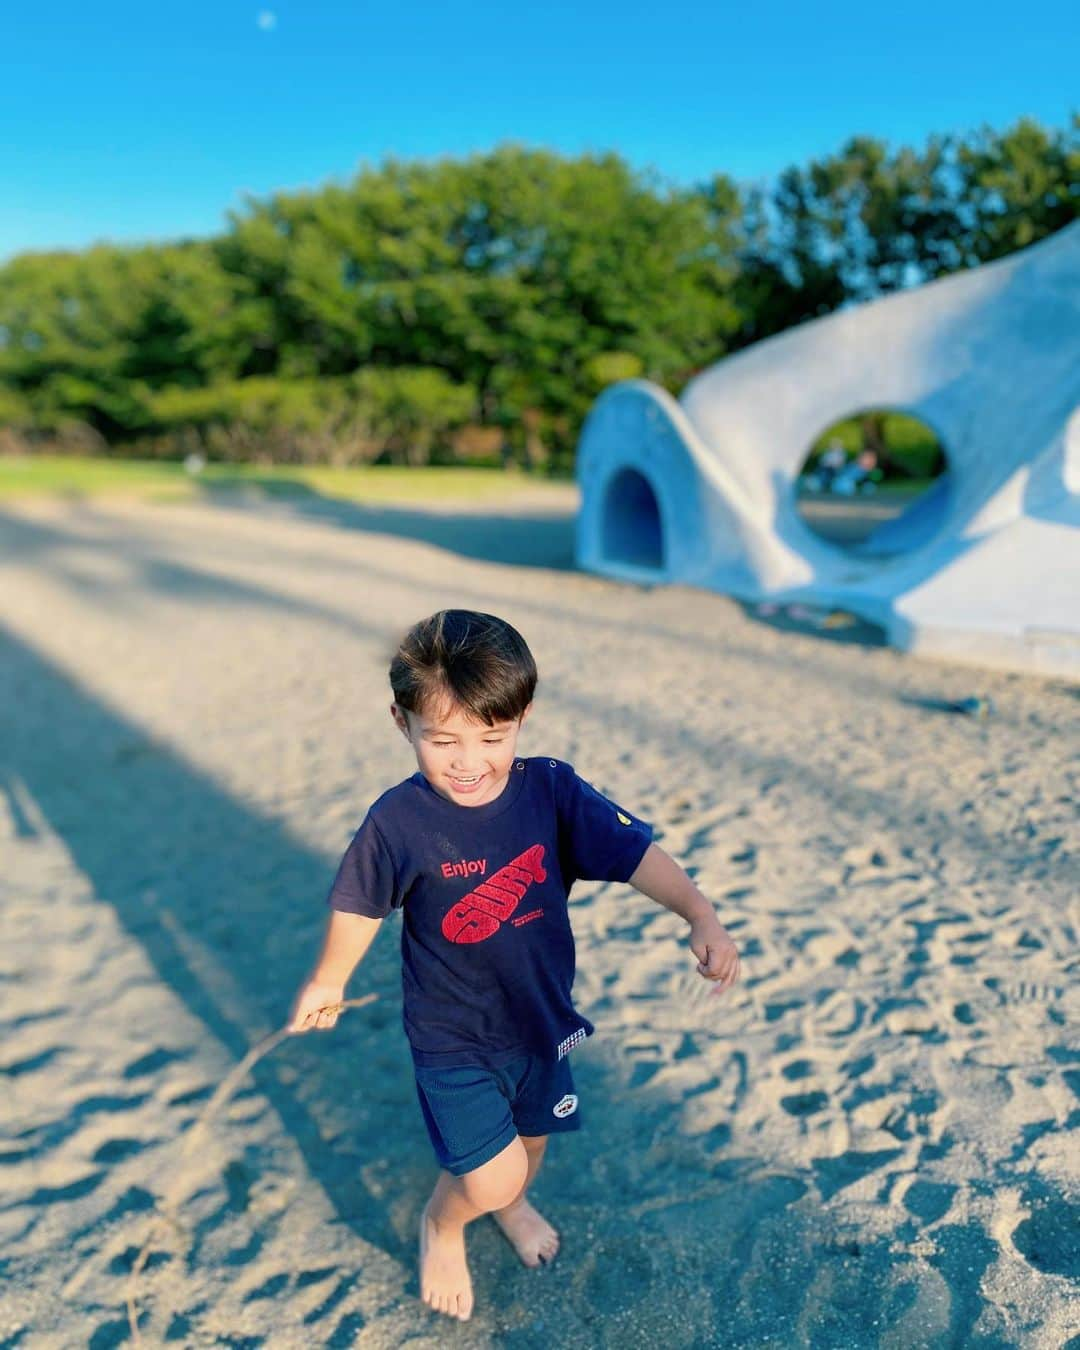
<point x="348" y="936"/>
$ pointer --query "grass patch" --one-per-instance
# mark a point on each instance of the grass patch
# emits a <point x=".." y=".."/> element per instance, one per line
<point x="36" y="475"/>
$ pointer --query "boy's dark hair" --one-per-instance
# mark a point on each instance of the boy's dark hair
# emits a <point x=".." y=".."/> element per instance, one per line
<point x="477" y="660"/>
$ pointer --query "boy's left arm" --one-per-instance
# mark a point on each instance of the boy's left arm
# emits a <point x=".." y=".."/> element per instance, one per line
<point x="661" y="878"/>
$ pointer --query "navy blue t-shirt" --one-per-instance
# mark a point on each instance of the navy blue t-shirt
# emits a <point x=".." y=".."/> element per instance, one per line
<point x="487" y="953"/>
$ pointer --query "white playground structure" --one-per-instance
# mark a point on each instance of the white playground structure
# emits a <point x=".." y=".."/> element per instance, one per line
<point x="703" y="490"/>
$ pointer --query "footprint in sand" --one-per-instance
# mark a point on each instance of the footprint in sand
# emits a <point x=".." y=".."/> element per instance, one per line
<point x="123" y="1262"/>
<point x="686" y="1049"/>
<point x="31" y="1019"/>
<point x="617" y="1272"/>
<point x="842" y="1014"/>
<point x="834" y="1174"/>
<point x="929" y="1201"/>
<point x="270" y="1288"/>
<point x="74" y="1190"/>
<point x="720" y="1098"/>
<point x="116" y="1150"/>
<point x="827" y="947"/>
<point x="32" y="1063"/>
<point x="1049" y="1238"/>
<point x="330" y="1300"/>
<point x="153" y="1061"/>
<point x="192" y="1096"/>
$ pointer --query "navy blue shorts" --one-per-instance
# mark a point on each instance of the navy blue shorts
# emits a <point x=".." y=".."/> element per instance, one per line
<point x="472" y="1112"/>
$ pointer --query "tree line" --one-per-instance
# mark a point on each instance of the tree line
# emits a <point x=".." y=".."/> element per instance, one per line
<point x="474" y="307"/>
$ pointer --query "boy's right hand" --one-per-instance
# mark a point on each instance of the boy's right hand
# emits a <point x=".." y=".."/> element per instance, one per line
<point x="316" y="1007"/>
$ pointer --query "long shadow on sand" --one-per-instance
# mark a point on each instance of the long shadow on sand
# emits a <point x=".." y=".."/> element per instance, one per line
<point x="57" y="551"/>
<point x="225" y="903"/>
<point x="528" y="538"/>
<point x="522" y="537"/>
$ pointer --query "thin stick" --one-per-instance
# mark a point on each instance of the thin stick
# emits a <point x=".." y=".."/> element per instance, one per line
<point x="223" y="1092"/>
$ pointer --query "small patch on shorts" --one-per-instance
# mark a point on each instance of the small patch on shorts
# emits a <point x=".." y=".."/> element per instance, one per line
<point x="566" y="1107"/>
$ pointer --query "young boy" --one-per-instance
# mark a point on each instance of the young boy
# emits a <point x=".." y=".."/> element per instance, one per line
<point x="479" y="849"/>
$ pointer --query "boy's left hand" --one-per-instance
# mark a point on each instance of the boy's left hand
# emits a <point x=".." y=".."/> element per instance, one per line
<point x="718" y="957"/>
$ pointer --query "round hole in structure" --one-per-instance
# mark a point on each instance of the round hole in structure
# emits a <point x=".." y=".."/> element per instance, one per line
<point x="875" y="484"/>
<point x="631" y="531"/>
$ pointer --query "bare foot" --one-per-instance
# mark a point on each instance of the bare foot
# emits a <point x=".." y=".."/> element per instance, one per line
<point x="528" y="1232"/>
<point x="445" y="1284"/>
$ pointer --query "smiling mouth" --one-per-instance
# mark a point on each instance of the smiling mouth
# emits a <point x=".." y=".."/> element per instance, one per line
<point x="467" y="782"/>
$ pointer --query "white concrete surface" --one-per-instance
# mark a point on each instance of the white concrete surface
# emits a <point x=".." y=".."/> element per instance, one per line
<point x="702" y="490"/>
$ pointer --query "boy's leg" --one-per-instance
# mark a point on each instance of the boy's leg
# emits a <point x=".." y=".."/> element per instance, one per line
<point x="543" y="1099"/>
<point x="529" y="1233"/>
<point x="456" y="1201"/>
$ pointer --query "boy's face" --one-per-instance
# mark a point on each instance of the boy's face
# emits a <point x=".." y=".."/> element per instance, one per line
<point x="466" y="762"/>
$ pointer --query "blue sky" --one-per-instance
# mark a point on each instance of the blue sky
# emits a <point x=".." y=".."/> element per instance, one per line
<point x="139" y="120"/>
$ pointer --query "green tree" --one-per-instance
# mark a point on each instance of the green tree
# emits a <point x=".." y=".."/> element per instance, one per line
<point x="517" y="282"/>
<point x="869" y="220"/>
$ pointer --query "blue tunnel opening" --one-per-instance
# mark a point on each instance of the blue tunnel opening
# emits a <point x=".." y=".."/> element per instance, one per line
<point x="632" y="532"/>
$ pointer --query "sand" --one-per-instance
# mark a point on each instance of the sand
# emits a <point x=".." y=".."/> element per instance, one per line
<point x="871" y="1141"/>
